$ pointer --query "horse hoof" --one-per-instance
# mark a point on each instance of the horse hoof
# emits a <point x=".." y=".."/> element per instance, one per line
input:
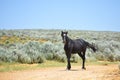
<point x="83" y="68"/>
<point x="67" y="69"/>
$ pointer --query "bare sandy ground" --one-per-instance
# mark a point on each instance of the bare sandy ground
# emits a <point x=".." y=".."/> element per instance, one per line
<point x="97" y="72"/>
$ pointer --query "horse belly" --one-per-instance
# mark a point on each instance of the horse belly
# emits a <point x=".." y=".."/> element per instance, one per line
<point x="76" y="50"/>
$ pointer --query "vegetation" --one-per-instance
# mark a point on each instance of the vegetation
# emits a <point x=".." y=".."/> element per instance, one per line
<point x="8" y="67"/>
<point x="37" y="46"/>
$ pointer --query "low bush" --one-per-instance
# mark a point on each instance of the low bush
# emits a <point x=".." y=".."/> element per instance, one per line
<point x="32" y="52"/>
<point x="74" y="58"/>
<point x="36" y="46"/>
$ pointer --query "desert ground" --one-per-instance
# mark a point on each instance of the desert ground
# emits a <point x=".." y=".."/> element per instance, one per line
<point x="93" y="72"/>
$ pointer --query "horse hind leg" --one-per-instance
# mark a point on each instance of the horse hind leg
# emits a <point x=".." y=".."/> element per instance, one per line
<point x="83" y="59"/>
<point x="83" y="67"/>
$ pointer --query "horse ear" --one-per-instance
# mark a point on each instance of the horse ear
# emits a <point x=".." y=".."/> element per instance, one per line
<point x="67" y="32"/>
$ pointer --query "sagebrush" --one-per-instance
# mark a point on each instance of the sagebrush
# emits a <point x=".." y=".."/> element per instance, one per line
<point x="37" y="46"/>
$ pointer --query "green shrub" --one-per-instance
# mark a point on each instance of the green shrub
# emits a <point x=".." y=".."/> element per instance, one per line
<point x="117" y="57"/>
<point x="110" y="57"/>
<point x="74" y="58"/>
<point x="35" y="52"/>
<point x="32" y="51"/>
<point x="99" y="56"/>
<point x="6" y="55"/>
<point x="24" y="59"/>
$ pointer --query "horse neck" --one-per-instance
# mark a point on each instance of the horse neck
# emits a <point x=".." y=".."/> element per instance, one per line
<point x="68" y="40"/>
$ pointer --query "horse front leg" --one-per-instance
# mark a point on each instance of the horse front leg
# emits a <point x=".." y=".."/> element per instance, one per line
<point x="68" y="61"/>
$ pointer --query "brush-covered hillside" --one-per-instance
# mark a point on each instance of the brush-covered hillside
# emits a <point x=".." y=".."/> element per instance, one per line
<point x="37" y="46"/>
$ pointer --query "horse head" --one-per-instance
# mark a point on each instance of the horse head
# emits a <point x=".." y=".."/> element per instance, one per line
<point x="64" y="36"/>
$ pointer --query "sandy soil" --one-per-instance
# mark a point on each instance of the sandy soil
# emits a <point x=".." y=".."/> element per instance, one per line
<point x="108" y="72"/>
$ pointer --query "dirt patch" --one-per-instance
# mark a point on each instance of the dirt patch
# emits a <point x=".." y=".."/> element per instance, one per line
<point x="108" y="72"/>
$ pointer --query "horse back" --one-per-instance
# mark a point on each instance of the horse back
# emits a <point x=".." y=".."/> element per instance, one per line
<point x="79" y="45"/>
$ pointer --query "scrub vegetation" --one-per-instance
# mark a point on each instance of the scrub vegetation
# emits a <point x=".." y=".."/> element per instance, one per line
<point x="37" y="46"/>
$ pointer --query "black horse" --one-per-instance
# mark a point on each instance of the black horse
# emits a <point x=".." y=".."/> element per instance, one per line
<point x="75" y="46"/>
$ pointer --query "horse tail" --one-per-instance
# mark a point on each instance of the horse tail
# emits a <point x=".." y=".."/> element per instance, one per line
<point x="92" y="46"/>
